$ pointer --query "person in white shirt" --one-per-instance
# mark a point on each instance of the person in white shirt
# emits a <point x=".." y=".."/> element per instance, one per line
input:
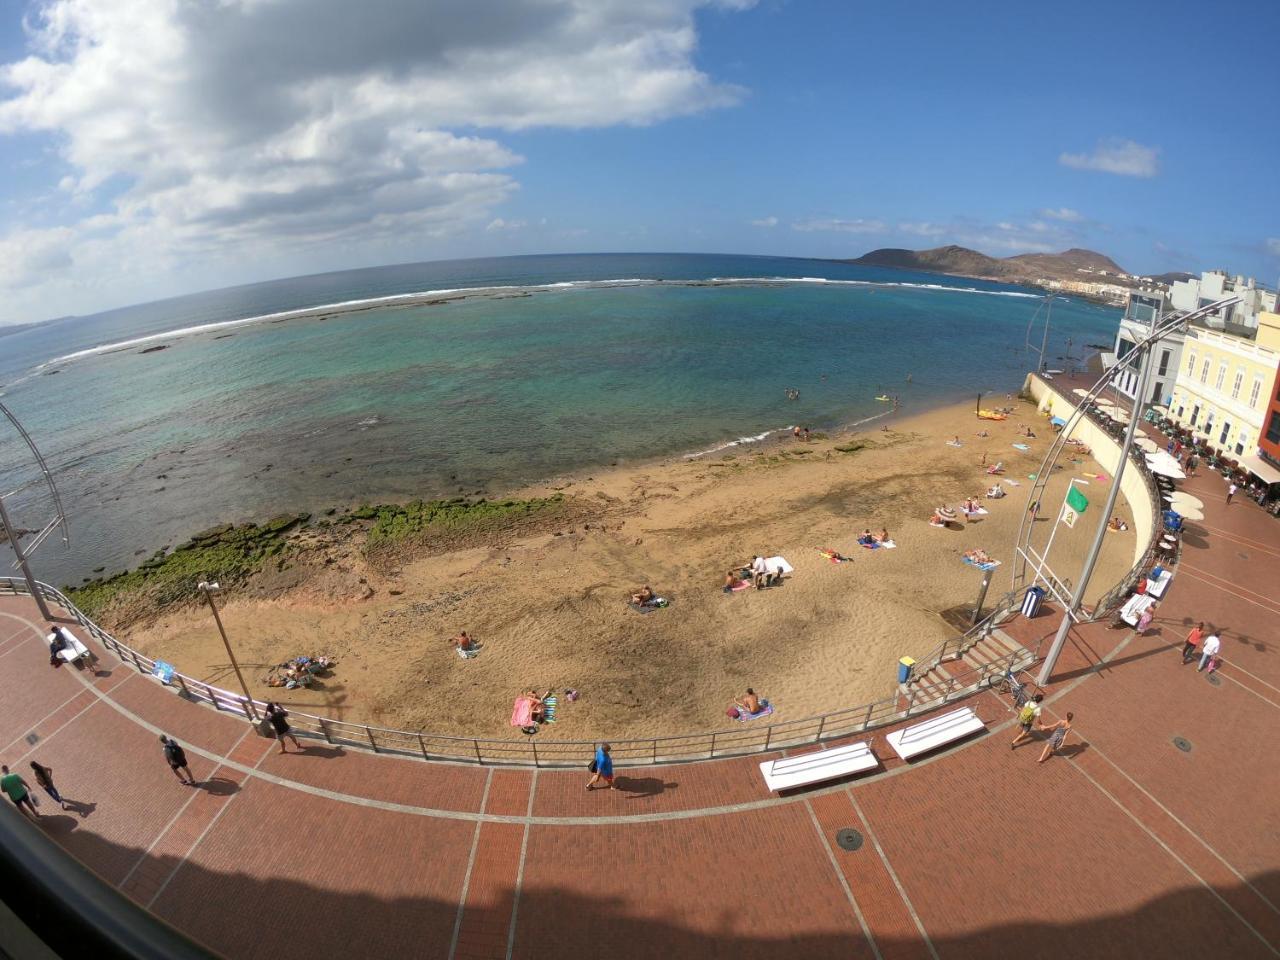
<point x="1210" y="649"/>
<point x="1231" y="492"/>
<point x="759" y="572"/>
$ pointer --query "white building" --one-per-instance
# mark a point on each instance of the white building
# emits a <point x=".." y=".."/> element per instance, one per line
<point x="1188" y="295"/>
<point x="1143" y="307"/>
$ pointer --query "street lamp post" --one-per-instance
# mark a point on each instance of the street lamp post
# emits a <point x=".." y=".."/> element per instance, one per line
<point x="208" y="590"/>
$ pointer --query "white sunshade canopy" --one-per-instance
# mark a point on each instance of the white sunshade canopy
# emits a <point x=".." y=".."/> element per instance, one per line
<point x="1188" y="513"/>
<point x="1260" y="469"/>
<point x="1160" y="462"/>
<point x="1149" y="446"/>
<point x="1183" y="499"/>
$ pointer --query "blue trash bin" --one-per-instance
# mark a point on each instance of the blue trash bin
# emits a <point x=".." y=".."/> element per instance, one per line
<point x="904" y="669"/>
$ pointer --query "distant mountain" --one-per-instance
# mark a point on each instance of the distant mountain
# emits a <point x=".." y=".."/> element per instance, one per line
<point x="7" y="329"/>
<point x="1175" y="277"/>
<point x="1023" y="268"/>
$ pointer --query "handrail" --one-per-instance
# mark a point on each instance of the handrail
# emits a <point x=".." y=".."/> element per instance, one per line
<point x="71" y="910"/>
<point x="529" y="752"/>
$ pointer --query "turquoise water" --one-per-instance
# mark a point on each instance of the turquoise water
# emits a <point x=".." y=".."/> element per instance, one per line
<point x="233" y="422"/>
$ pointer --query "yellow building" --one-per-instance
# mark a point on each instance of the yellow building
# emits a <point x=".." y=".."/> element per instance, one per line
<point x="1223" y="390"/>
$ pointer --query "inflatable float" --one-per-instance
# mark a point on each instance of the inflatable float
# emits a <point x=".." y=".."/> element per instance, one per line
<point x="992" y="415"/>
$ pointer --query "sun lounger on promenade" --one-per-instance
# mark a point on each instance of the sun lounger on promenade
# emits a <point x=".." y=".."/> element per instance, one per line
<point x="817" y="767"/>
<point x="936" y="732"/>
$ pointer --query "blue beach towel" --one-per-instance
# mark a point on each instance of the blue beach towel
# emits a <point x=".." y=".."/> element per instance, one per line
<point x="1021" y="446"/>
<point x="550" y="704"/>
<point x="766" y="708"/>
<point x="982" y="566"/>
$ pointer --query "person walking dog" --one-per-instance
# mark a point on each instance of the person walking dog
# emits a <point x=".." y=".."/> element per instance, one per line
<point x="601" y="768"/>
<point x="276" y="714"/>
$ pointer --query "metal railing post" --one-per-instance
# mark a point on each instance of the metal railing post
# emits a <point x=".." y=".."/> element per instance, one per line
<point x="248" y="715"/>
<point x="136" y="662"/>
<point x="713" y="744"/>
<point x="768" y="735"/>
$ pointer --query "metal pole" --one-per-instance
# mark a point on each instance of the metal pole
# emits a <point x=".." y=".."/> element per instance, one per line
<point x="206" y="589"/>
<point x="32" y="586"/>
<point x="982" y="595"/>
<point x="1091" y="559"/>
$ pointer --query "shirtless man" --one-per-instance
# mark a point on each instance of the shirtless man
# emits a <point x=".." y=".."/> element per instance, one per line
<point x="748" y="702"/>
<point x="643" y="596"/>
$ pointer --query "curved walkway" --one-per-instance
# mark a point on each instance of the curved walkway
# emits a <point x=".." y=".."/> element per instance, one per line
<point x="1123" y="847"/>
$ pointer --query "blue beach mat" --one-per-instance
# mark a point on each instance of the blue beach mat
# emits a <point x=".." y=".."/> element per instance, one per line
<point x="765" y="711"/>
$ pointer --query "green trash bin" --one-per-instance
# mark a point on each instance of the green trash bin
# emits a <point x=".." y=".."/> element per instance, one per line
<point x="904" y="669"/>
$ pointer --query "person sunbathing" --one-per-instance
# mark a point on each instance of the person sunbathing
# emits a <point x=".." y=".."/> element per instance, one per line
<point x="866" y="539"/>
<point x="972" y="506"/>
<point x="996" y="492"/>
<point x="1115" y="523"/>
<point x="884" y="536"/>
<point x="977" y="556"/>
<point x="996" y="468"/>
<point x="748" y="702"/>
<point x="642" y="596"/>
<point x="538" y="711"/>
<point x="937" y="520"/>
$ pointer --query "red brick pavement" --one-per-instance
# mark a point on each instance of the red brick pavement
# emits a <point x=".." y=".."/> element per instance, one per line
<point x="1122" y="847"/>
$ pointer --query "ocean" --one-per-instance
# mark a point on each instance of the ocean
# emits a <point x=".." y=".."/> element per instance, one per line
<point x="447" y="378"/>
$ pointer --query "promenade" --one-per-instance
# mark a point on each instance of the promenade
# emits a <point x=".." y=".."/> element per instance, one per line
<point x="1123" y="846"/>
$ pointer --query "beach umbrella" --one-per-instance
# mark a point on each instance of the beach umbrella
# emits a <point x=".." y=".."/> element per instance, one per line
<point x="1139" y="433"/>
<point x="947" y="514"/>
<point x="1161" y="463"/>
<point x="1185" y="500"/>
<point x="1190" y="513"/>
<point x="1150" y="446"/>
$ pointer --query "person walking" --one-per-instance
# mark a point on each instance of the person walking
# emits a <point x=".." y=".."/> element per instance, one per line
<point x="1212" y="645"/>
<point x="276" y="714"/>
<point x="1193" y="641"/>
<point x="19" y="792"/>
<point x="1231" y="491"/>
<point x="601" y="768"/>
<point x="1057" y="734"/>
<point x="177" y="760"/>
<point x="1028" y="717"/>
<point x="44" y="777"/>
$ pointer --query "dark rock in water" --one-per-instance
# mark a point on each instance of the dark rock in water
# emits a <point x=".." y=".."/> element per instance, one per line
<point x="50" y="373"/>
<point x="331" y="511"/>
<point x="223" y="336"/>
<point x="98" y="569"/>
<point x="156" y="349"/>
<point x="20" y="532"/>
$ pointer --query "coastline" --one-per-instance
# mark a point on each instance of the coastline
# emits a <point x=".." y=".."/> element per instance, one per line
<point x="548" y="601"/>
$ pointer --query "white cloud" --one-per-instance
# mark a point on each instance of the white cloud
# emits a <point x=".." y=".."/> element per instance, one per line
<point x="1065" y="214"/>
<point x="765" y="222"/>
<point x="243" y="129"/>
<point x="1123" y="157"/>
<point x="840" y="226"/>
<point x="923" y="229"/>
<point x="498" y="225"/>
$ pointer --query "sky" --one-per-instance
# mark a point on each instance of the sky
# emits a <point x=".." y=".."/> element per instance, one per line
<point x="150" y="148"/>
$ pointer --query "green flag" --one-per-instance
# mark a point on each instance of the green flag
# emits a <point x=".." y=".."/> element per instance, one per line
<point x="1076" y="500"/>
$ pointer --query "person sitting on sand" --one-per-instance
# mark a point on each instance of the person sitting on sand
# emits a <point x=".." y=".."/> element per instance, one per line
<point x="995" y="493"/>
<point x="971" y="505"/>
<point x="983" y="434"/>
<point x="1115" y="523"/>
<point x="996" y="468"/>
<point x="1029" y="434"/>
<point x="977" y="556"/>
<point x="464" y="643"/>
<point x="538" y="710"/>
<point x="730" y="580"/>
<point x="884" y="536"/>
<point x="866" y="539"/>
<point x="642" y="596"/>
<point x="760" y="574"/>
<point x="748" y="702"/>
<point x="936" y="519"/>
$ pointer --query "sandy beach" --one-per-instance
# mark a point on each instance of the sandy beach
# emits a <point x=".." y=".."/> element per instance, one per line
<point x="550" y="607"/>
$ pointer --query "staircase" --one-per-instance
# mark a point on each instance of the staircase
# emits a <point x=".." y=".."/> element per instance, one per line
<point x="989" y="655"/>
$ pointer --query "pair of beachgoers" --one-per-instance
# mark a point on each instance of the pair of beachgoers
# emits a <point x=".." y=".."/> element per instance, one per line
<point x="869" y="539"/>
<point x="978" y="556"/>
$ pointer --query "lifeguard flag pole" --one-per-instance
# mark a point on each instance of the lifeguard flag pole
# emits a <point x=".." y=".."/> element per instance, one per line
<point x="977" y="407"/>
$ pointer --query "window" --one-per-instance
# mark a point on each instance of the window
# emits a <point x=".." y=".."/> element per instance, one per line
<point x="1235" y="387"/>
<point x="1226" y="432"/>
<point x="1195" y="412"/>
<point x="1164" y="363"/>
<point x="1191" y="365"/>
<point x="1253" y="393"/>
<point x="1222" y="376"/>
<point x="1273" y="428"/>
<point x="1242" y="442"/>
<point x="1204" y="371"/>
<point x="1123" y="348"/>
<point x="1155" y="392"/>
<point x="1208" y="423"/>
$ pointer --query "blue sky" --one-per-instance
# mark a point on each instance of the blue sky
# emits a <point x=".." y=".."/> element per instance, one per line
<point x="151" y="148"/>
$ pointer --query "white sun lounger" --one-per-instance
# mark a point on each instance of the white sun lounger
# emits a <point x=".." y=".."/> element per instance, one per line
<point x="74" y="650"/>
<point x="816" y="767"/>
<point x="936" y="732"/>
<point x="1157" y="587"/>
<point x="1134" y="607"/>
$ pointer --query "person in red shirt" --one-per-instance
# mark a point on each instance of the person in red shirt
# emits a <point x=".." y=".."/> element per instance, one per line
<point x="1193" y="641"/>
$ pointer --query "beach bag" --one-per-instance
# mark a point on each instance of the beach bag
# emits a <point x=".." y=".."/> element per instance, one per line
<point x="733" y="712"/>
<point x="1028" y="714"/>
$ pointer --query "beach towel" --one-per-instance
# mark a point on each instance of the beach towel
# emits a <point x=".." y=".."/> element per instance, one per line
<point x="888" y="544"/>
<point x="980" y="512"/>
<point x="766" y="708"/>
<point x="939" y="526"/>
<point x="870" y="545"/>
<point x="1021" y="446"/>
<point x="467" y="654"/>
<point x="740" y="585"/>
<point x="550" y="703"/>
<point x="522" y="712"/>
<point x="657" y="603"/>
<point x="981" y="566"/>
<point x="833" y="555"/>
<point x="774" y="564"/>
<point x="955" y="443"/>
<point x="1013" y="483"/>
